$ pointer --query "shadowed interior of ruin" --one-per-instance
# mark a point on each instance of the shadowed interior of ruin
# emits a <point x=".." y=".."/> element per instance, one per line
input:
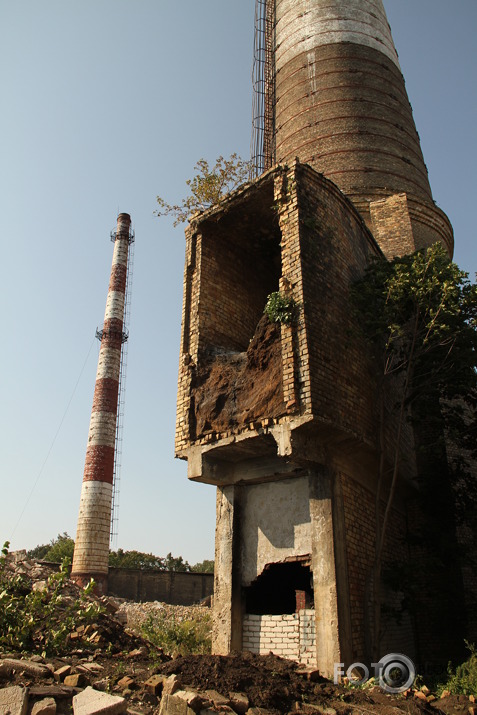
<point x="273" y="592"/>
<point x="238" y="376"/>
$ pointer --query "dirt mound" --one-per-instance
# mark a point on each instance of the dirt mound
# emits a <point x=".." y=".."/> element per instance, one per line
<point x="231" y="389"/>
<point x="283" y="686"/>
<point x="269" y="682"/>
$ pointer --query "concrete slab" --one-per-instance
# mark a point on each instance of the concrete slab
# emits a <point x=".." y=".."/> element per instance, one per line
<point x="175" y="705"/>
<point x="13" y="700"/>
<point x="94" y="702"/>
<point x="25" y="666"/>
<point x="47" y="706"/>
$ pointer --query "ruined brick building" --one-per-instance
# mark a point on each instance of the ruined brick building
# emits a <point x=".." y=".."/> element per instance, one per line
<point x="283" y="418"/>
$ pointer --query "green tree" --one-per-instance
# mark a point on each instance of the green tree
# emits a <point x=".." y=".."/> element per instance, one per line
<point x="61" y="547"/>
<point x="135" y="560"/>
<point x="205" y="566"/>
<point x="419" y="314"/>
<point x="146" y="562"/>
<point x="208" y="187"/>
<point x="176" y="563"/>
<point x="39" y="551"/>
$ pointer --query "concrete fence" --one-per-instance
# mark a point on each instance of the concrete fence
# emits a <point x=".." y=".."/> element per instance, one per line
<point x="174" y="587"/>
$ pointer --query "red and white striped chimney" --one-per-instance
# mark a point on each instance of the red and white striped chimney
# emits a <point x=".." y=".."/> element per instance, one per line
<point x="91" y="552"/>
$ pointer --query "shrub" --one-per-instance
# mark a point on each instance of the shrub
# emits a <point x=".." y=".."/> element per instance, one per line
<point x="463" y="680"/>
<point x="176" y="636"/>
<point x="279" y="308"/>
<point x="41" y="620"/>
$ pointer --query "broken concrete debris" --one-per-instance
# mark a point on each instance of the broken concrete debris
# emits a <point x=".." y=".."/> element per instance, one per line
<point x="94" y="702"/>
<point x="13" y="700"/>
<point x="47" y="706"/>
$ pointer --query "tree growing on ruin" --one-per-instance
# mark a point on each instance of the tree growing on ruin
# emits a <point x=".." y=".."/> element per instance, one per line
<point x="208" y="187"/>
<point x="418" y="313"/>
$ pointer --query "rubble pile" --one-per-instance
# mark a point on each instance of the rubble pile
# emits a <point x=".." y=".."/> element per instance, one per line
<point x="132" y="683"/>
<point x="84" y="623"/>
<point x="103" y="668"/>
<point x="134" y="615"/>
<point x="34" y="572"/>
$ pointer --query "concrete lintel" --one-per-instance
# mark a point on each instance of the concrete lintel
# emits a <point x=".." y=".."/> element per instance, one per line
<point x="203" y="467"/>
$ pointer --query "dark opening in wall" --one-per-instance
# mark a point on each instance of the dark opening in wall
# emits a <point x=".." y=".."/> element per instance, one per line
<point x="274" y="591"/>
<point x="240" y="267"/>
<point x="238" y="376"/>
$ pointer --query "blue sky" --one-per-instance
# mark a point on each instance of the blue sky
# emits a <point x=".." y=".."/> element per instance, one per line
<point x="107" y="103"/>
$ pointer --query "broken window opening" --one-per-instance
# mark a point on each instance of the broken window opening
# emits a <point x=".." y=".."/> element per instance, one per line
<point x="280" y="589"/>
<point x="240" y="267"/>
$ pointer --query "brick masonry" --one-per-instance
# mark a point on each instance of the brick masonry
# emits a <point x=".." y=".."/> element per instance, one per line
<point x="324" y="246"/>
<point x="350" y="185"/>
<point x="358" y="506"/>
<point x="342" y="107"/>
<point x="328" y="383"/>
<point x="289" y="635"/>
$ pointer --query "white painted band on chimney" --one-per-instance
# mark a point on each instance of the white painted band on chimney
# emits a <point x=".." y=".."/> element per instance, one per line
<point x="120" y="253"/>
<point x="109" y="362"/>
<point x="92" y="537"/>
<point x="303" y="26"/>
<point x="102" y="429"/>
<point x="114" y="305"/>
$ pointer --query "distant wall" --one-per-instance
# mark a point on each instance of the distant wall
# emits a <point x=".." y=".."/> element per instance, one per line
<point x="174" y="587"/>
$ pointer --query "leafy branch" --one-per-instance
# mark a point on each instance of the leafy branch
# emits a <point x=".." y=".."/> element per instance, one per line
<point x="418" y="313"/>
<point x="207" y="187"/>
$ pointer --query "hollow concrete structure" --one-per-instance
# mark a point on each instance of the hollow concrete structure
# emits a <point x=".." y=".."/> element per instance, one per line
<point x="91" y="552"/>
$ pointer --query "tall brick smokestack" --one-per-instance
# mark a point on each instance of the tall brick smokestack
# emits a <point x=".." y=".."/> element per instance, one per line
<point x="91" y="553"/>
<point x="341" y="105"/>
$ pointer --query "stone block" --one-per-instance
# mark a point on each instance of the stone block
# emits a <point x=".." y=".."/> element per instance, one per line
<point x="47" y="706"/>
<point x="192" y="698"/>
<point x="154" y="684"/>
<point x="62" y="672"/>
<point x="13" y="700"/>
<point x="216" y="698"/>
<point x="419" y="695"/>
<point x="173" y="705"/>
<point x="171" y="685"/>
<point x="94" y="702"/>
<point x="239" y="702"/>
<point x="126" y="682"/>
<point x="312" y="709"/>
<point x="77" y="680"/>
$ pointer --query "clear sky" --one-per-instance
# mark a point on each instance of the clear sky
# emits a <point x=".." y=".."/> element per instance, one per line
<point x="105" y="104"/>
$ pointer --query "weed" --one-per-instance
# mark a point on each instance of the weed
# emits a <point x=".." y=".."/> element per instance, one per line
<point x="280" y="308"/>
